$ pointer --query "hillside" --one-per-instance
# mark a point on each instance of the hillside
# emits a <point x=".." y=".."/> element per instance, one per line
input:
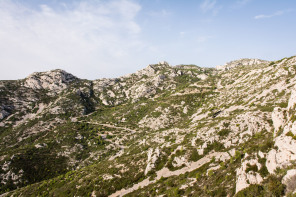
<point x="162" y="131"/>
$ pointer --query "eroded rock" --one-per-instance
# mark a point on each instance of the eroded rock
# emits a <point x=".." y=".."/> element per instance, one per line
<point x="153" y="155"/>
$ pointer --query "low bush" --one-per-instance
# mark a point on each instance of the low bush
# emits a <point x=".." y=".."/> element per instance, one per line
<point x="224" y="132"/>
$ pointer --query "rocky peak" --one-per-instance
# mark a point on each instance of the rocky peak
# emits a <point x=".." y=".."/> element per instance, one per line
<point x="187" y="67"/>
<point x="50" y="80"/>
<point x="152" y="69"/>
<point x="241" y="62"/>
<point x="162" y="64"/>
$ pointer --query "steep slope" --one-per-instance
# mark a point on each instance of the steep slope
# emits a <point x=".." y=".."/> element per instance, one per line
<point x="163" y="130"/>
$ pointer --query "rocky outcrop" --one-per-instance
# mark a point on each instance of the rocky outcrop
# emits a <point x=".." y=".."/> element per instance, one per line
<point x="285" y="153"/>
<point x="278" y="118"/>
<point x="153" y="156"/>
<point x="244" y="177"/>
<point x="285" y="145"/>
<point x="241" y="62"/>
<point x="148" y="71"/>
<point x="179" y="161"/>
<point x="3" y="114"/>
<point x="140" y="91"/>
<point x="290" y="181"/>
<point x="54" y="80"/>
<point x="292" y="100"/>
<point x="5" y="111"/>
<point x="157" y="123"/>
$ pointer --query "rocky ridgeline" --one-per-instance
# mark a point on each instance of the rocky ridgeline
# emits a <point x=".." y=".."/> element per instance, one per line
<point x="109" y="92"/>
<point x="163" y="130"/>
<point x="241" y="62"/>
<point x="142" y="84"/>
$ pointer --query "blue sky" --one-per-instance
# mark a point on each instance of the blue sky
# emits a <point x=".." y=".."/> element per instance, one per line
<point x="98" y="38"/>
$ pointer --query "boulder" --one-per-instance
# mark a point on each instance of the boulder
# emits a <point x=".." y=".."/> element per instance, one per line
<point x="153" y="155"/>
<point x="244" y="179"/>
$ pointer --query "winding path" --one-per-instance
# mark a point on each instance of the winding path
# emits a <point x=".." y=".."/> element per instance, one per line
<point x="110" y="126"/>
<point x="165" y="172"/>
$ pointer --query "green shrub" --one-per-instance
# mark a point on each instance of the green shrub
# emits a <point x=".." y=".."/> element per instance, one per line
<point x="263" y="171"/>
<point x="265" y="108"/>
<point x="291" y="135"/>
<point x="211" y="173"/>
<point x="222" y="166"/>
<point x="251" y="191"/>
<point x="280" y="131"/>
<point x="274" y="186"/>
<point x="253" y="168"/>
<point x="155" y="114"/>
<point x="224" y="132"/>
<point x="271" y="187"/>
<point x="226" y="124"/>
<point x="283" y="104"/>
<point x="198" y="176"/>
<point x="194" y="156"/>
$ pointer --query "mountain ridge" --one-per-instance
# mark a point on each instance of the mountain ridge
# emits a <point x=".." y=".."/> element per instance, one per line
<point x="158" y="128"/>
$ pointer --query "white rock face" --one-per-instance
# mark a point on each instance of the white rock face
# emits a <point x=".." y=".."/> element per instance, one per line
<point x="51" y="80"/>
<point x="214" y="168"/>
<point x="278" y="118"/>
<point x="290" y="181"/>
<point x="9" y="174"/>
<point x="107" y="176"/>
<point x="156" y="123"/>
<point x="40" y="145"/>
<point x="3" y="114"/>
<point x="283" y="155"/>
<point x="202" y="76"/>
<point x="271" y="162"/>
<point x="261" y="154"/>
<point x="241" y="62"/>
<point x="179" y="161"/>
<point x="223" y="157"/>
<point x="185" y="110"/>
<point x="149" y="71"/>
<point x="244" y="179"/>
<point x="104" y="99"/>
<point x="292" y="127"/>
<point x="153" y="155"/>
<point x="139" y="91"/>
<point x="292" y="100"/>
<point x="286" y="145"/>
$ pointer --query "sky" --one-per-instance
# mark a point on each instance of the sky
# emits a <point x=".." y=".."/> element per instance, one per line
<point x="95" y="39"/>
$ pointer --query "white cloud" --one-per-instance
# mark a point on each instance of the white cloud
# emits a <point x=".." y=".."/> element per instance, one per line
<point x="241" y="3"/>
<point x="182" y="33"/>
<point x="202" y="39"/>
<point x="160" y="13"/>
<point x="210" y="6"/>
<point x="82" y="37"/>
<point x="261" y="16"/>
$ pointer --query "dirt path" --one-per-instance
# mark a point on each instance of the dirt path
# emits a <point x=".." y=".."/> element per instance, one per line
<point x="114" y="127"/>
<point x="123" y="192"/>
<point x="165" y="172"/>
<point x="110" y="126"/>
<point x="122" y="147"/>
